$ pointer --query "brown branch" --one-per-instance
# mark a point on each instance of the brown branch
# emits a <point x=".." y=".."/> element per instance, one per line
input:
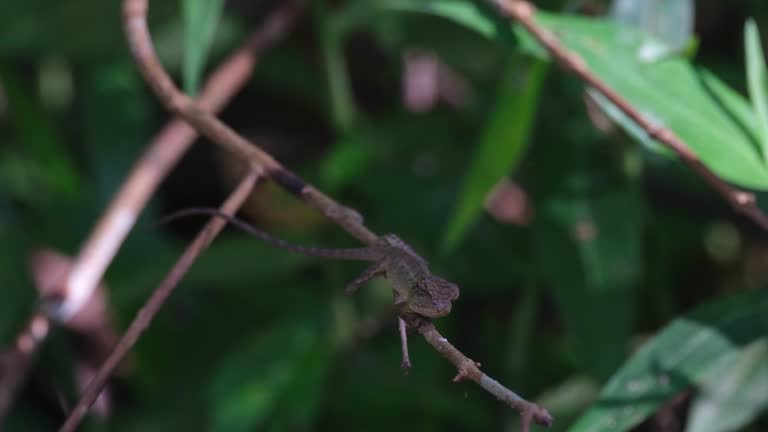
<point x="140" y="41"/>
<point x="524" y="13"/>
<point x="159" y="295"/>
<point x="154" y="165"/>
<point x="157" y="161"/>
<point x="468" y="369"/>
<point x="15" y="364"/>
<point x="92" y="321"/>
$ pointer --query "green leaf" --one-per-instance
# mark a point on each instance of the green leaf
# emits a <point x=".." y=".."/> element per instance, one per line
<point x="273" y="379"/>
<point x="668" y="25"/>
<point x="596" y="241"/>
<point x="686" y="353"/>
<point x="757" y="80"/>
<point x="346" y="162"/>
<point x="42" y="165"/>
<point x="569" y="399"/>
<point x="502" y="145"/>
<point x="201" y="17"/>
<point x="735" y="394"/>
<point x="669" y="92"/>
<point x="467" y="14"/>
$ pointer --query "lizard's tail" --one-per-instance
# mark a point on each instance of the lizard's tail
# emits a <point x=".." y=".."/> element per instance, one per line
<point x="359" y="254"/>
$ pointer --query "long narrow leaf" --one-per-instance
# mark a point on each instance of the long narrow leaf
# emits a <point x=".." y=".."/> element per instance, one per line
<point x="757" y="80"/>
<point x="201" y="17"/>
<point x="502" y="145"/>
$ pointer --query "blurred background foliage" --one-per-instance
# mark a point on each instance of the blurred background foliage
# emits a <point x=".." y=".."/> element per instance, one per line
<point x="599" y="276"/>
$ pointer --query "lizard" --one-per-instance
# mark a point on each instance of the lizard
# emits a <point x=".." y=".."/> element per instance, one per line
<point x="417" y="291"/>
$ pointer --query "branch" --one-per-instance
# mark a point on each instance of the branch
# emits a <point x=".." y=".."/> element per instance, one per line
<point x="15" y="364"/>
<point x="158" y="160"/>
<point x="159" y="295"/>
<point x="140" y="41"/>
<point x="468" y="369"/>
<point x="524" y="13"/>
<point x="92" y="321"/>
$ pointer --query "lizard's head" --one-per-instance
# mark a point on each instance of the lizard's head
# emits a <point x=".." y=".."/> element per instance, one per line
<point x="433" y="297"/>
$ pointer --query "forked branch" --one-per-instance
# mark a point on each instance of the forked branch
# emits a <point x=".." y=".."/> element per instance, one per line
<point x="165" y="150"/>
<point x="156" y="300"/>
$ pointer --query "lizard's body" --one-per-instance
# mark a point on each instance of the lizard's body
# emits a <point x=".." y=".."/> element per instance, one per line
<point x="416" y="289"/>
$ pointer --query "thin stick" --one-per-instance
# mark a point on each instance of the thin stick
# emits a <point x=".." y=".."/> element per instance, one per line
<point x="140" y="41"/>
<point x="524" y="13"/>
<point x="468" y="369"/>
<point x="15" y="364"/>
<point x="157" y="161"/>
<point x="152" y="306"/>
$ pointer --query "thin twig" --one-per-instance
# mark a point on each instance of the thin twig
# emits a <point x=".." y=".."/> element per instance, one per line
<point x="524" y="13"/>
<point x="140" y="41"/>
<point x="15" y="364"/>
<point x="159" y="295"/>
<point x="157" y="161"/>
<point x="469" y="369"/>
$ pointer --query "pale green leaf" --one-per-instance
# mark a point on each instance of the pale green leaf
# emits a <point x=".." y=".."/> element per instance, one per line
<point x="757" y="80"/>
<point x="201" y="17"/>
<point x="735" y="394"/>
<point x="502" y="144"/>
<point x="686" y="353"/>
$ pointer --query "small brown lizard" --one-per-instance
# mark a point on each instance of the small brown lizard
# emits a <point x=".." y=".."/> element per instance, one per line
<point x="417" y="290"/>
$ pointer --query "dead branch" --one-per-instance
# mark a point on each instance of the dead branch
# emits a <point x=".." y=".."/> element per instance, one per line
<point x="156" y="300"/>
<point x="158" y="160"/>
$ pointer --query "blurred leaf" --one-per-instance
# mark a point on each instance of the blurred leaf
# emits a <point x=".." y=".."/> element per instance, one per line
<point x="757" y="80"/>
<point x="272" y="379"/>
<point x="467" y="14"/>
<point x="345" y="163"/>
<point x="669" y="92"/>
<point x="567" y="400"/>
<point x="112" y="138"/>
<point x="667" y="24"/>
<point x="42" y="164"/>
<point x="201" y="17"/>
<point x="687" y="352"/>
<point x="502" y="145"/>
<point x="343" y="109"/>
<point x="589" y="251"/>
<point x="735" y="394"/>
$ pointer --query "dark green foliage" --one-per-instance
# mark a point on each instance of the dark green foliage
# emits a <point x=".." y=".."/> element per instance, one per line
<point x="632" y="280"/>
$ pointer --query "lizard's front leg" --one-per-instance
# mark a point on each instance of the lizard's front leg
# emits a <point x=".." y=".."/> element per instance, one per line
<point x="369" y="273"/>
